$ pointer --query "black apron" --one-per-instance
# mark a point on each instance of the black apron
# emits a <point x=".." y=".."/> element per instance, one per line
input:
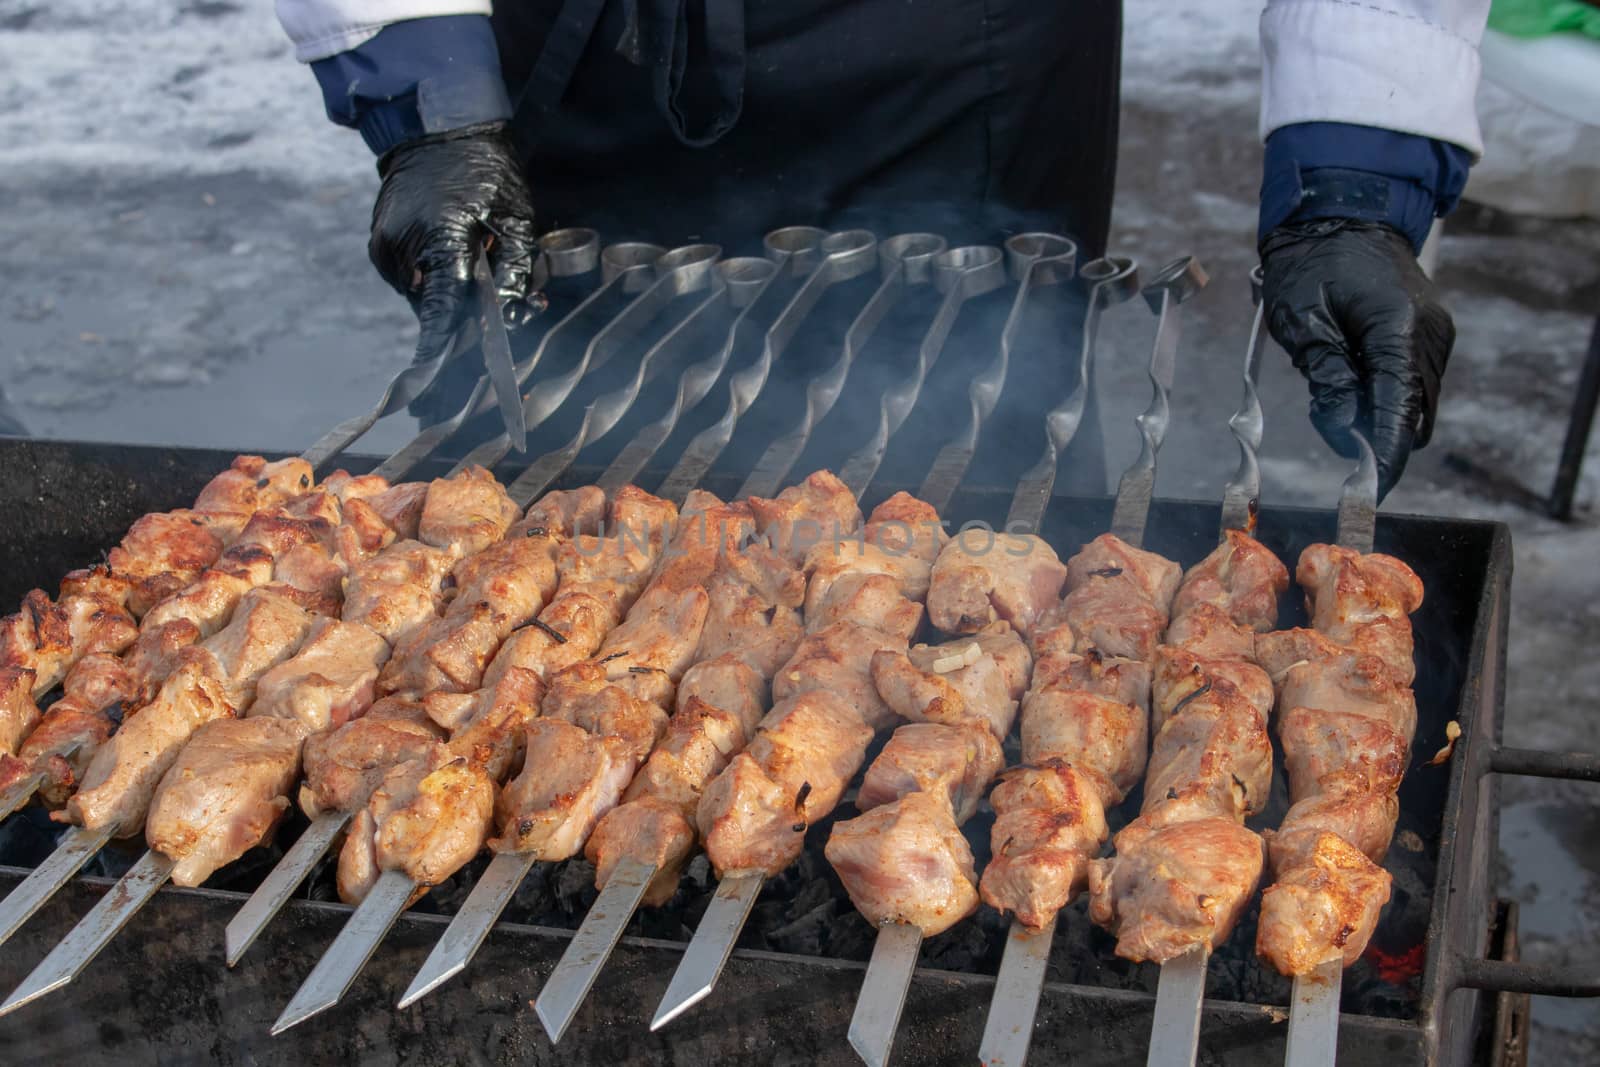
<point x="674" y="120"/>
<point x="719" y="120"/>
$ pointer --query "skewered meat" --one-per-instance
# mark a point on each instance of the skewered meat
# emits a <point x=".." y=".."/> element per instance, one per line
<point x="489" y="730"/>
<point x="1085" y="727"/>
<point x="251" y="483"/>
<point x="122" y="776"/>
<point x="975" y="681"/>
<point x="225" y="794"/>
<point x="564" y="513"/>
<point x="465" y="513"/>
<point x="517" y="576"/>
<point x="66" y="738"/>
<point x="1175" y="885"/>
<point x="820" y="510"/>
<point x="754" y="815"/>
<point x="1346" y="735"/>
<point x="396" y="591"/>
<point x="447" y="654"/>
<point x="1185" y="869"/>
<point x="647" y="654"/>
<point x="210" y="600"/>
<point x="1049" y="822"/>
<point x="1324" y="904"/>
<point x="976" y="581"/>
<point x="586" y="696"/>
<point x="907" y="862"/>
<point x="570" y="778"/>
<point x="329" y="681"/>
<point x="957" y="760"/>
<point x="753" y="609"/>
<point x="344" y="766"/>
<point x="869" y="600"/>
<point x="19" y="714"/>
<point x="163" y="552"/>
<point x="838" y="660"/>
<point x="48" y="636"/>
<point x="266" y="629"/>
<point x="425" y="819"/>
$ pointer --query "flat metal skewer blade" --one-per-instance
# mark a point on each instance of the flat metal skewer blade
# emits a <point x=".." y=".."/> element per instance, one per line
<point x="1358" y="503"/>
<point x="1314" y="1016"/>
<point x="76" y="848"/>
<point x="350" y="951"/>
<point x="883" y="992"/>
<point x="94" y="932"/>
<point x="1175" y="1036"/>
<point x="711" y="946"/>
<point x="18" y="794"/>
<point x="591" y="946"/>
<point x="1009" y="1029"/>
<point x="471" y="925"/>
<point x="274" y="892"/>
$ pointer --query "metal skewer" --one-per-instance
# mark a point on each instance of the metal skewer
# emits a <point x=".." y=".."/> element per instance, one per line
<point x="1009" y="1027"/>
<point x="844" y="255"/>
<point x="1033" y="260"/>
<point x="1313" y="1039"/>
<point x="417" y="378"/>
<point x="494" y="889"/>
<point x="960" y="274"/>
<point x="904" y="260"/>
<point x="19" y="794"/>
<point x="77" y="847"/>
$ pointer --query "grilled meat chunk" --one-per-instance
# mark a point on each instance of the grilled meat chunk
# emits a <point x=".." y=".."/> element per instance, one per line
<point x="1363" y="601"/>
<point x="1213" y="759"/>
<point x="1365" y="820"/>
<point x="1241" y="577"/>
<point x="570" y="778"/>
<point x="754" y="815"/>
<point x="344" y="766"/>
<point x="934" y="757"/>
<point x="447" y="654"/>
<point x="1094" y="732"/>
<point x="563" y="514"/>
<point x="1325" y="751"/>
<point x="907" y="862"/>
<point x="490" y="725"/>
<point x="126" y="768"/>
<point x="649" y="830"/>
<point x="67" y="736"/>
<point x="974" y="681"/>
<point x="1172" y="886"/>
<point x="19" y="714"/>
<point x="976" y="581"/>
<point x="1181" y="677"/>
<point x="754" y="601"/>
<point x="424" y="819"/>
<point x="48" y="636"/>
<point x="163" y="552"/>
<point x="1324" y="905"/>
<point x="225" y="794"/>
<point x="820" y="510"/>
<point x="329" y="681"/>
<point x="1355" y="684"/>
<point x="397" y="591"/>
<point x="1050" y="822"/>
<point x="585" y="695"/>
<point x="466" y="513"/>
<point x="517" y="577"/>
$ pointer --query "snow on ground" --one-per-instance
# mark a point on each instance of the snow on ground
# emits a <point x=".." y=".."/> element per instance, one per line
<point x="184" y="229"/>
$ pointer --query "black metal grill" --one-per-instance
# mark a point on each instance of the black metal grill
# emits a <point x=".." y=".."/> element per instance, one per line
<point x="162" y="986"/>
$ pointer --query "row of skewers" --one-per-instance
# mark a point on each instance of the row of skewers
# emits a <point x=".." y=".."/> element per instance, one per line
<point x="443" y="668"/>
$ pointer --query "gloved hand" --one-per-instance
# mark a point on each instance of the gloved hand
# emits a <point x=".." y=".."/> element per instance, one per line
<point x="441" y="196"/>
<point x="1361" y="321"/>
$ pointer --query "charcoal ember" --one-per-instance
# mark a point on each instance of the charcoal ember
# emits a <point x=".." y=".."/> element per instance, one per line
<point x="851" y="937"/>
<point x="806" y="934"/>
<point x="447" y="897"/>
<point x="963" y="947"/>
<point x="574" y="889"/>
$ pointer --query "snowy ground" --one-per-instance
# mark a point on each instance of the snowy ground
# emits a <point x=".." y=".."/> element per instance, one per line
<point x="183" y="229"/>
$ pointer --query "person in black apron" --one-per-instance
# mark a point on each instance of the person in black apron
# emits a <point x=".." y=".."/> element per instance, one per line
<point x="718" y="120"/>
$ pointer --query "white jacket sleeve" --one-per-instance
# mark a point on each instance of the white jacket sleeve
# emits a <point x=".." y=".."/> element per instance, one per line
<point x="321" y="28"/>
<point x="1405" y="65"/>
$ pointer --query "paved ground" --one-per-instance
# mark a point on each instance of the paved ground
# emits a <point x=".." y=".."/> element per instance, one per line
<point x="183" y="249"/>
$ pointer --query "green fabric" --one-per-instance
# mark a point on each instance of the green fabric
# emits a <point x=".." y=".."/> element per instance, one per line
<point x="1539" y="18"/>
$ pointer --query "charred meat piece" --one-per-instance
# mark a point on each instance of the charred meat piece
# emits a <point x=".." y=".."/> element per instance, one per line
<point x="466" y="513"/>
<point x="1181" y="677"/>
<point x="820" y="510"/>
<point x="934" y="757"/>
<point x="754" y="815"/>
<point x="266" y="629"/>
<point x="66" y="738"/>
<point x="1108" y="557"/>
<point x="650" y="830"/>
<point x="210" y="601"/>
<point x="1324" y="905"/>
<point x="424" y="819"/>
<point x="870" y="600"/>
<point x="225" y="794"/>
<point x="48" y="636"/>
<point x="1353" y="683"/>
<point x="489" y="726"/>
<point x="1365" y="820"/>
<point x="1172" y="886"/>
<point x="162" y="553"/>
<point x="329" y="681"/>
<point x="570" y="778"/>
<point x="656" y="643"/>
<point x="907" y="862"/>
<point x="344" y="766"/>
<point x="18" y="712"/>
<point x="252" y="483"/>
<point x="1050" y="822"/>
<point x="980" y="578"/>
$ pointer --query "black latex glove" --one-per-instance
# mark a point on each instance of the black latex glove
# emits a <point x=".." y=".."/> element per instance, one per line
<point x="1365" y="326"/>
<point x="441" y="196"/>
